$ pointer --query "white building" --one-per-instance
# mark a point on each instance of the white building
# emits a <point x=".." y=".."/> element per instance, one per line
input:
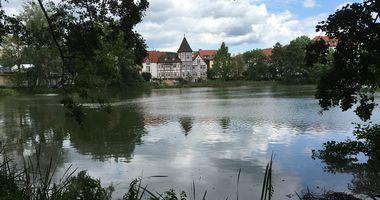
<point x="184" y="64"/>
<point x="150" y="63"/>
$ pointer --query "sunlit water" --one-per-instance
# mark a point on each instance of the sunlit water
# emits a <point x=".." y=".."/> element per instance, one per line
<point x="173" y="137"/>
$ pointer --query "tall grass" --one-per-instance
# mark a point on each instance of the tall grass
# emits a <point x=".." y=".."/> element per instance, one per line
<point x="267" y="190"/>
<point x="34" y="182"/>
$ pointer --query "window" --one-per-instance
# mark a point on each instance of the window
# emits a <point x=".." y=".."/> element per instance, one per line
<point x="198" y="61"/>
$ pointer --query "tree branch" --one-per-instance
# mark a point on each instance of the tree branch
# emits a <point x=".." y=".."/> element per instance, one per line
<point x="55" y="41"/>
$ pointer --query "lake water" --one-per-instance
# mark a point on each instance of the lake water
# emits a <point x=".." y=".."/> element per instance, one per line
<point x="172" y="137"/>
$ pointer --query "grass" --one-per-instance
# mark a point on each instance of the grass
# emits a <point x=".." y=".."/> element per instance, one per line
<point x="210" y="83"/>
<point x="4" y="92"/>
<point x="32" y="182"/>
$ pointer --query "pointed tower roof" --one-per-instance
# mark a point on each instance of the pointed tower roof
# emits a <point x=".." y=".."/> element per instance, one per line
<point x="185" y="47"/>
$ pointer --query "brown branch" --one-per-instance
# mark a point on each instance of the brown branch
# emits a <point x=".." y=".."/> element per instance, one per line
<point x="55" y="41"/>
<point x="377" y="2"/>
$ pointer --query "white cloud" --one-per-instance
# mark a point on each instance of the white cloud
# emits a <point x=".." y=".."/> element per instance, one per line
<point x="207" y="23"/>
<point x="309" y="3"/>
<point x="242" y="24"/>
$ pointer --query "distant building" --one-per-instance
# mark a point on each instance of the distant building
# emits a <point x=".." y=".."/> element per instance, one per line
<point x="332" y="42"/>
<point x="185" y="53"/>
<point x="184" y="63"/>
<point x="208" y="56"/>
<point x="267" y="52"/>
<point x="22" y="67"/>
<point x="199" y="65"/>
<point x="169" y="66"/>
<point x="150" y="63"/>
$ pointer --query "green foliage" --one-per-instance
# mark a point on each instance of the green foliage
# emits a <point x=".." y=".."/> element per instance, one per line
<point x="8" y="92"/>
<point x="237" y="67"/>
<point x="90" y="44"/>
<point x="147" y="76"/>
<point x="288" y="61"/>
<point x="355" y="73"/>
<point x="222" y="63"/>
<point x="84" y="187"/>
<point x="257" y="64"/>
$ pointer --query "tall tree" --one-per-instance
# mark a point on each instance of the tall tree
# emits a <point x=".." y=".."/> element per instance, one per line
<point x="277" y="61"/>
<point x="39" y="48"/>
<point x="257" y="68"/>
<point x="237" y="65"/>
<point x="222" y="63"/>
<point x="355" y="75"/>
<point x="82" y="32"/>
<point x="289" y="60"/>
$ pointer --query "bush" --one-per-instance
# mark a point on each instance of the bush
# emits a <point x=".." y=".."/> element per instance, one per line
<point x="147" y="76"/>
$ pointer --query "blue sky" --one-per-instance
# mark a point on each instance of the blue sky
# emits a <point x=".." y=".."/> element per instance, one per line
<point x="242" y="24"/>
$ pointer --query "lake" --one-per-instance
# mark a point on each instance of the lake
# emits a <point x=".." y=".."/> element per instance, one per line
<point x="172" y="137"/>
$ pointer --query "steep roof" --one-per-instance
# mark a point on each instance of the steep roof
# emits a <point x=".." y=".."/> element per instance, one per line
<point x="332" y="42"/>
<point x="267" y="52"/>
<point x="207" y="54"/>
<point x="185" y="47"/>
<point x="153" y="56"/>
<point x="169" y="58"/>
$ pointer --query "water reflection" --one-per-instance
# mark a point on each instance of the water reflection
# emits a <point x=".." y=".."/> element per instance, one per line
<point x="225" y="122"/>
<point x="200" y="134"/>
<point x="109" y="135"/>
<point x="365" y="175"/>
<point x="186" y="124"/>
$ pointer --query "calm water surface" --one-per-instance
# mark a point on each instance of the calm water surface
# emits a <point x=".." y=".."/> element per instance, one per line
<point x="181" y="135"/>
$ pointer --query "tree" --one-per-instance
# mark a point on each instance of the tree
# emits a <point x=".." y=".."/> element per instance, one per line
<point x="352" y="81"/>
<point x="277" y="61"/>
<point x="289" y="61"/>
<point x="257" y="68"/>
<point x="39" y="49"/>
<point x="237" y="66"/>
<point x="222" y="63"/>
<point x="355" y="75"/>
<point x="95" y="40"/>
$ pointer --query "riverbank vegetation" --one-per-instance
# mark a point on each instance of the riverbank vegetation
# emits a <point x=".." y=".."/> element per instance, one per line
<point x="33" y="182"/>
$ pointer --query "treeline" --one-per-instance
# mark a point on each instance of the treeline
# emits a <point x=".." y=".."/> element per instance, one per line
<point x="300" y="61"/>
<point x="83" y="43"/>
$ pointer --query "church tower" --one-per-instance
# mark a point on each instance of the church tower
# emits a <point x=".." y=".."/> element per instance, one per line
<point x="185" y="54"/>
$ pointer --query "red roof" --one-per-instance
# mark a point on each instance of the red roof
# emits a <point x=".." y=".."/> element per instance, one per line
<point x="332" y="42"/>
<point x="153" y="56"/>
<point x="267" y="52"/>
<point x="207" y="54"/>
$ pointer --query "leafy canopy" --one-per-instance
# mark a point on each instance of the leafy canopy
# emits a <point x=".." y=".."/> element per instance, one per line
<point x="355" y="75"/>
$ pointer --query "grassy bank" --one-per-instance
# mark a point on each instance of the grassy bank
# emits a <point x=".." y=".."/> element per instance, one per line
<point x="211" y="83"/>
<point x="6" y="92"/>
<point x="32" y="182"/>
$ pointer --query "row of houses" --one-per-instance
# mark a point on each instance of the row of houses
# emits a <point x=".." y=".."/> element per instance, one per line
<point x="193" y="65"/>
<point x="185" y="63"/>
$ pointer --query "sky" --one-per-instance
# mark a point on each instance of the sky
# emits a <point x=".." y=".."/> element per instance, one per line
<point x="242" y="24"/>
